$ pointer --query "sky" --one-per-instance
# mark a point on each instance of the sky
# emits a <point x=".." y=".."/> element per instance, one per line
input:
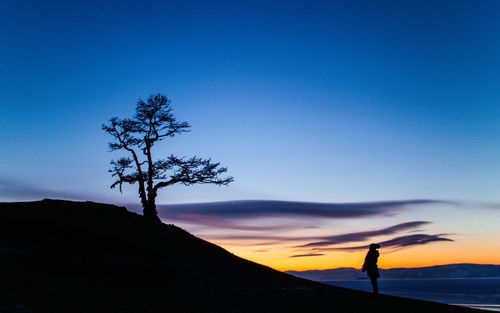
<point x="387" y="110"/>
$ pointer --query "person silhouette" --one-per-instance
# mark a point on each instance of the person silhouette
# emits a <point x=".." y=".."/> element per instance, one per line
<point x="371" y="268"/>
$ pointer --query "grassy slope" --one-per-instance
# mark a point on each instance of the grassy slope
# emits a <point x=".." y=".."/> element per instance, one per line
<point x="62" y="256"/>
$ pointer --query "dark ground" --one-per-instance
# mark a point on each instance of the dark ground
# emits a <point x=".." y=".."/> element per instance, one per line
<point x="62" y="256"/>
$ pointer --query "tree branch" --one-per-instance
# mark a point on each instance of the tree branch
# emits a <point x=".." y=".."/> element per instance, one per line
<point x="119" y="168"/>
<point x="193" y="171"/>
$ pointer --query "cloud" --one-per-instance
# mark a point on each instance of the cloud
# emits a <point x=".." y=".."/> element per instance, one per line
<point x="363" y="236"/>
<point x="305" y="255"/>
<point x="321" y="241"/>
<point x="230" y="214"/>
<point x="211" y="221"/>
<point x="13" y="190"/>
<point x="259" y="237"/>
<point x="247" y="209"/>
<point x="398" y="242"/>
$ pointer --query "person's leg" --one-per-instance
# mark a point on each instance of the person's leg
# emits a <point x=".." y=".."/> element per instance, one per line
<point x="375" y="285"/>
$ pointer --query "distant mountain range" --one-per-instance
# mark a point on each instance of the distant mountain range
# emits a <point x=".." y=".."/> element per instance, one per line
<point x="464" y="270"/>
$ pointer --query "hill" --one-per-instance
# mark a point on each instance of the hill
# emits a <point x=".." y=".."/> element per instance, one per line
<point x="464" y="270"/>
<point x="62" y="256"/>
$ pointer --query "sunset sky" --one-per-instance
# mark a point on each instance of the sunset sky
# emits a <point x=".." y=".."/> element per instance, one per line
<point x="342" y="122"/>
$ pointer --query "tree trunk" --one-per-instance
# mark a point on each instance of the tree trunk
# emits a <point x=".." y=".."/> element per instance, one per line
<point x="150" y="208"/>
<point x="151" y="214"/>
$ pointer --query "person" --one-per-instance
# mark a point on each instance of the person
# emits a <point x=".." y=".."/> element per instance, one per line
<point x="371" y="268"/>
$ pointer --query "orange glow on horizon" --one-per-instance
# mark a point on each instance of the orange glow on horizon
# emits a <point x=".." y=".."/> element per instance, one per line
<point x="454" y="236"/>
<point x="429" y="255"/>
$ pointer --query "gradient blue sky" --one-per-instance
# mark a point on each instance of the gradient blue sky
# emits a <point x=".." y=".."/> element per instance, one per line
<point x="325" y="101"/>
<point x="313" y="101"/>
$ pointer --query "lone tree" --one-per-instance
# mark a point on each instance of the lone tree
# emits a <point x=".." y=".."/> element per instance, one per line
<point x="154" y="122"/>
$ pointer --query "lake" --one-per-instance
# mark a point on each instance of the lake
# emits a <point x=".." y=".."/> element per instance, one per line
<point x="479" y="293"/>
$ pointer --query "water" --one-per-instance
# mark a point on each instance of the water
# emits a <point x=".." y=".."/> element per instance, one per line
<point x="479" y="293"/>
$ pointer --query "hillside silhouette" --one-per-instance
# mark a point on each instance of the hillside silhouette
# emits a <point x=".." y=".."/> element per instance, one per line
<point x="63" y="256"/>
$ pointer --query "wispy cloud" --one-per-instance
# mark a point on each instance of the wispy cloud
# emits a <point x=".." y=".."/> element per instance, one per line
<point x="322" y="242"/>
<point x="305" y="255"/>
<point x="261" y="250"/>
<point x="363" y="236"/>
<point x="325" y="243"/>
<point x="398" y="242"/>
<point x="225" y="213"/>
<point x="210" y="221"/>
<point x="14" y="190"/>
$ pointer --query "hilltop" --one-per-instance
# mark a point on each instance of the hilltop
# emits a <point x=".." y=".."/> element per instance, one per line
<point x="63" y="256"/>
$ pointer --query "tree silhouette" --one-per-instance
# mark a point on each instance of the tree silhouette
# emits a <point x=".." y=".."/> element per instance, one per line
<point x="154" y="122"/>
